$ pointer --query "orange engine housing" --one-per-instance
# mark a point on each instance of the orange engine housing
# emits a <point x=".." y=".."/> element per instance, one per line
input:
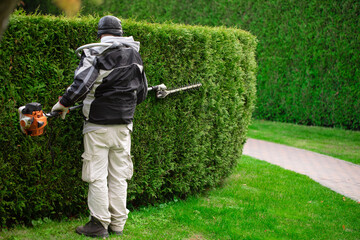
<point x="32" y="119"/>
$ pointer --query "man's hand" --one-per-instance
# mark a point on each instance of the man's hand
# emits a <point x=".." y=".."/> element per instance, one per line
<point x="61" y="108"/>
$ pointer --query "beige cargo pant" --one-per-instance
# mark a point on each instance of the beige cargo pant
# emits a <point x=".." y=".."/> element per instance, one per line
<point x="106" y="167"/>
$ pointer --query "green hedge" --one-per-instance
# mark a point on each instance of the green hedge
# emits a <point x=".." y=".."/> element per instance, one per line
<point x="181" y="145"/>
<point x="308" y="51"/>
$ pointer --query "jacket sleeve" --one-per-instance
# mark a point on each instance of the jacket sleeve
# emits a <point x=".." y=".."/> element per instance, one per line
<point x="143" y="90"/>
<point x="84" y="79"/>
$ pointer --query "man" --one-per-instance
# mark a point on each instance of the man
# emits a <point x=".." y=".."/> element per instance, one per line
<point x="111" y="82"/>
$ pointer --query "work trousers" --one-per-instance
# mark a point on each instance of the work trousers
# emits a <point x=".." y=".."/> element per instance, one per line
<point x="106" y="167"/>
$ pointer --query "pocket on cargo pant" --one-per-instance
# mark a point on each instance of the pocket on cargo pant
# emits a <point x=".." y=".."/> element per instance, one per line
<point x="87" y="169"/>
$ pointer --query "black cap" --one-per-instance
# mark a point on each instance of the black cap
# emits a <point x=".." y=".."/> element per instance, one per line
<point x="109" y="25"/>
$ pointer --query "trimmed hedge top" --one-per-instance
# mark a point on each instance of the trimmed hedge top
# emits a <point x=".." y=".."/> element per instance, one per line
<point x="181" y="145"/>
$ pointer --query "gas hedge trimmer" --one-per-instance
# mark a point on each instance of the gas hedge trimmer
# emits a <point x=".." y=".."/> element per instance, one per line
<point x="33" y="120"/>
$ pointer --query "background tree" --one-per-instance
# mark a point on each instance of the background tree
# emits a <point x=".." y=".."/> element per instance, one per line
<point x="6" y="8"/>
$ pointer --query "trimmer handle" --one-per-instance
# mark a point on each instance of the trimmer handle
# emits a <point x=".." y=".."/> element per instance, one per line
<point x="58" y="113"/>
<point x="53" y="114"/>
<point x="157" y="87"/>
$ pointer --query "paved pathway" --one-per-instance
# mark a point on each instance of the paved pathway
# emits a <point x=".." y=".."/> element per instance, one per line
<point x="341" y="176"/>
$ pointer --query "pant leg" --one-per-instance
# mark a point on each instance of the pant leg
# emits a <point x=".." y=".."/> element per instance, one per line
<point x="95" y="172"/>
<point x="120" y="170"/>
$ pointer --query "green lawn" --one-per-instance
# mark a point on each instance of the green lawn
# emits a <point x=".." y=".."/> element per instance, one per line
<point x="258" y="201"/>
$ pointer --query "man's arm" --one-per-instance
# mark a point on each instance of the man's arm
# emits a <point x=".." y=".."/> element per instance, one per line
<point x="142" y="93"/>
<point x="84" y="79"/>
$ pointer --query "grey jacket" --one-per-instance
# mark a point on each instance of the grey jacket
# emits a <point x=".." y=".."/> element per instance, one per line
<point x="110" y="80"/>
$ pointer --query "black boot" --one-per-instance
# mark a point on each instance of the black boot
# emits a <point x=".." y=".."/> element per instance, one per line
<point x="94" y="228"/>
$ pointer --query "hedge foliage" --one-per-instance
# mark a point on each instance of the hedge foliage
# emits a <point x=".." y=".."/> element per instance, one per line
<point x="308" y="51"/>
<point x="181" y="145"/>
